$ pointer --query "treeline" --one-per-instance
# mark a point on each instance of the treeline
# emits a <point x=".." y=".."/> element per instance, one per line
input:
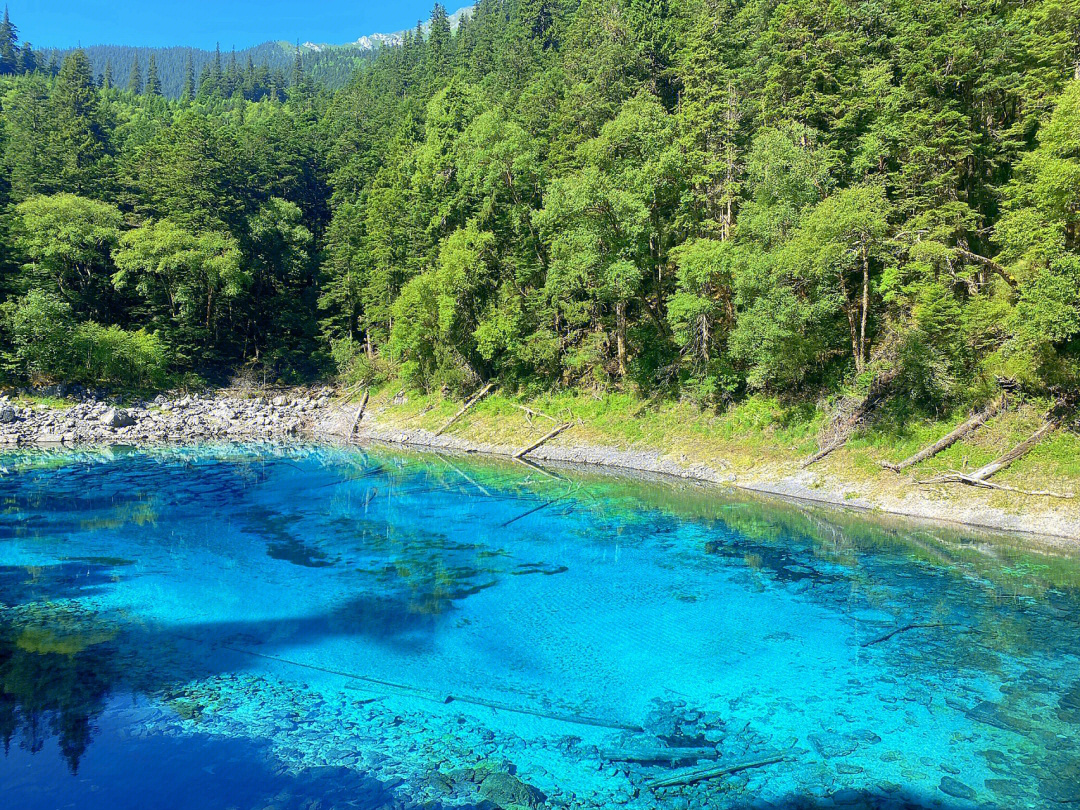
<point x="184" y="70"/>
<point x="684" y="196"/>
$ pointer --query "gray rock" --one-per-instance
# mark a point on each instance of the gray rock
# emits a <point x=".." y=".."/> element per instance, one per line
<point x="7" y="415"/>
<point x="116" y="419"/>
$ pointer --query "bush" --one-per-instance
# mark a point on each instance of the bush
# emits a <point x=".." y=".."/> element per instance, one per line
<point x="48" y="344"/>
<point x="112" y="356"/>
<point x="40" y="325"/>
<point x="354" y="366"/>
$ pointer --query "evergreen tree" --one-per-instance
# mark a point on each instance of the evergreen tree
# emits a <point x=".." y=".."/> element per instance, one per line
<point x="153" y="82"/>
<point x="106" y="76"/>
<point x="27" y="60"/>
<point x="187" y="92"/>
<point x="135" y="82"/>
<point x="9" y="45"/>
<point x="79" y="140"/>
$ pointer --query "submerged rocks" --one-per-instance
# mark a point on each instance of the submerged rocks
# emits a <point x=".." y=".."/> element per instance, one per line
<point x="831" y="745"/>
<point x="507" y="791"/>
<point x="956" y="789"/>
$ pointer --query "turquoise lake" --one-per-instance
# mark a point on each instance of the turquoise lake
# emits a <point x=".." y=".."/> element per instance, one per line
<point x="311" y="628"/>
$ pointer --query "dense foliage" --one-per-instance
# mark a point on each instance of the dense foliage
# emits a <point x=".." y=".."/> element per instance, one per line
<point x="699" y="197"/>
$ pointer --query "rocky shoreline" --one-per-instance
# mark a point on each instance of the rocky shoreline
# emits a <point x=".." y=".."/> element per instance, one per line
<point x="177" y="419"/>
<point x="318" y="414"/>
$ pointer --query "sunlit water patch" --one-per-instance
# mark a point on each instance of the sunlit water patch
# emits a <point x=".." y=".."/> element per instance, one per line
<point x="306" y="627"/>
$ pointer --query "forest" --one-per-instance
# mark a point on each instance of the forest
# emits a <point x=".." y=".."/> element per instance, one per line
<point x="679" y="198"/>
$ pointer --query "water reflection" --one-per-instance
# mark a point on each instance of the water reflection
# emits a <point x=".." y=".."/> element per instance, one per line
<point x="56" y="671"/>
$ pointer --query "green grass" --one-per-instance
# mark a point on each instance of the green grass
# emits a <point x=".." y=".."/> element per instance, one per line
<point x="39" y="403"/>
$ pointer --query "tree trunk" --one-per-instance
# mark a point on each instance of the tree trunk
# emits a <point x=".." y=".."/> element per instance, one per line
<point x="849" y="310"/>
<point x="620" y="336"/>
<point x="863" y="353"/>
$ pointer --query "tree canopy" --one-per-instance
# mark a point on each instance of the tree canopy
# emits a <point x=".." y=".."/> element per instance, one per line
<point x="684" y="197"/>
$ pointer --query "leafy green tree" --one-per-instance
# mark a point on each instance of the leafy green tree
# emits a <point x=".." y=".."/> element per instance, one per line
<point x="67" y="240"/>
<point x="185" y="281"/>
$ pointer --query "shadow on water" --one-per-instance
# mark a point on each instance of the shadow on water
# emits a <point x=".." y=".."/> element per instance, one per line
<point x="199" y="772"/>
<point x="59" y="663"/>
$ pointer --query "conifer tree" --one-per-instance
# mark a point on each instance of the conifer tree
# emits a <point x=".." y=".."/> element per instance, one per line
<point x="187" y="92"/>
<point x="153" y="81"/>
<point x="135" y="84"/>
<point x="106" y="76"/>
<point x="9" y="38"/>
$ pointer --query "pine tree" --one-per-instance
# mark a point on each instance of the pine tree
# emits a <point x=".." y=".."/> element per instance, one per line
<point x="80" y="140"/>
<point x="106" y="76"/>
<point x="438" y="51"/>
<point x="187" y="92"/>
<point x="153" y="81"/>
<point x="27" y="62"/>
<point x="298" y="68"/>
<point x="135" y="84"/>
<point x="9" y="38"/>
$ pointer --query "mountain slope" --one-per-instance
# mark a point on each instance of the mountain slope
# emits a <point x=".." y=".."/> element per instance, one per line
<point x="326" y="63"/>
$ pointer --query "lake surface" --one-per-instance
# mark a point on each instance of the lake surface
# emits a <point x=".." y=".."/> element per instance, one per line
<point x="313" y="628"/>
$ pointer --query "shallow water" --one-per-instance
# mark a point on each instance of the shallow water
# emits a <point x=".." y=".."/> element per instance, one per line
<point x="311" y="628"/>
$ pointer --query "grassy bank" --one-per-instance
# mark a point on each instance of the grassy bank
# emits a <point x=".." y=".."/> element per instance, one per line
<point x="763" y="439"/>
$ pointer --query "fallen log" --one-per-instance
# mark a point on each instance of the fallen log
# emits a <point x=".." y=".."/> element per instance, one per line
<point x="578" y="719"/>
<point x="471" y="401"/>
<point x="657" y="754"/>
<point x="379" y="684"/>
<point x="904" y="629"/>
<point x="690" y="777"/>
<point x="878" y="388"/>
<point x="956" y="477"/>
<point x="359" y="413"/>
<point x="546" y="437"/>
<point x="530" y="413"/>
<point x="990" y="264"/>
<point x="1021" y="450"/>
<point x="462" y="473"/>
<point x="531" y="511"/>
<point x="951" y="438"/>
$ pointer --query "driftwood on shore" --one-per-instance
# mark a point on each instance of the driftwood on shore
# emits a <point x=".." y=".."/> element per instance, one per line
<point x="690" y="777"/>
<point x="531" y="412"/>
<point x="1021" y="450"/>
<point x="545" y="438"/>
<point x="844" y="427"/>
<point x="360" y="412"/>
<point x="978" y="478"/>
<point x="972" y="424"/>
<point x="468" y="404"/>
<point x="957" y="477"/>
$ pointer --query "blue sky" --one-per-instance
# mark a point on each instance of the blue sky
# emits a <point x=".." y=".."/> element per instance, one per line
<point x="202" y="23"/>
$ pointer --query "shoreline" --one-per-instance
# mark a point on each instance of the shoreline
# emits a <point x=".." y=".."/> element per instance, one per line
<point x="321" y="414"/>
<point x="1059" y="530"/>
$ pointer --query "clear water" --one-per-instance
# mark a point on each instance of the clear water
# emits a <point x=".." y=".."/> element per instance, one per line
<point x="318" y="628"/>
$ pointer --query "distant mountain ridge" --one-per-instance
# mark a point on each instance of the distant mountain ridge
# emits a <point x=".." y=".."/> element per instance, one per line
<point x="328" y="64"/>
<point x="373" y="41"/>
